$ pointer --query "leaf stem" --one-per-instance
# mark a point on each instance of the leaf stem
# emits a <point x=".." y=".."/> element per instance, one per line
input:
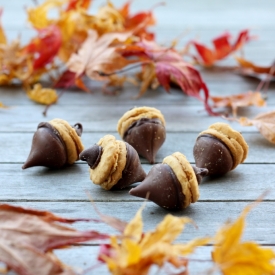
<point x="124" y="70"/>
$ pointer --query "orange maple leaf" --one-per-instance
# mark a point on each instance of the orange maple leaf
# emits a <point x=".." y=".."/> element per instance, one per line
<point x="222" y="48"/>
<point x="249" y="67"/>
<point x="239" y="100"/>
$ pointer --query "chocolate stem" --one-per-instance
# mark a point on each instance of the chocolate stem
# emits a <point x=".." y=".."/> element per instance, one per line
<point x="92" y="155"/>
<point x="78" y="128"/>
<point x="200" y="173"/>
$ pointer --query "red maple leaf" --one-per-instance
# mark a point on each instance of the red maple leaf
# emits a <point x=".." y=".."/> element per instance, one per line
<point x="138" y="22"/>
<point x="45" y="46"/>
<point x="222" y="48"/>
<point x="168" y="66"/>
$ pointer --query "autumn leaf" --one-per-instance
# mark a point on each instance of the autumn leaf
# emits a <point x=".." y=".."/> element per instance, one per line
<point x="222" y="48"/>
<point x="233" y="256"/>
<point x="139" y="251"/>
<point x="3" y="106"/>
<point x="45" y="46"/>
<point x="265" y="123"/>
<point x="97" y="54"/>
<point x="167" y="65"/>
<point x="75" y="4"/>
<point x="249" y="67"/>
<point x="28" y="236"/>
<point x="3" y="39"/>
<point x="239" y="100"/>
<point x="38" y="16"/>
<point x="138" y="22"/>
<point x="42" y="95"/>
<point x="13" y="63"/>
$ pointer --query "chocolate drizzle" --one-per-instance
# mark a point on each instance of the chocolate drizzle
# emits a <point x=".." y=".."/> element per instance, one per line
<point x="92" y="155"/>
<point x="211" y="153"/>
<point x="146" y="136"/>
<point x="48" y="148"/>
<point x="163" y="187"/>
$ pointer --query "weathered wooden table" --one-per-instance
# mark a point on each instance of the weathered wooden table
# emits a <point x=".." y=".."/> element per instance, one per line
<point x="63" y="191"/>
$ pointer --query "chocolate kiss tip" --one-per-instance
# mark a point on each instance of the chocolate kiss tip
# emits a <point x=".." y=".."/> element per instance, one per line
<point x="92" y="155"/>
<point x="47" y="150"/>
<point x="78" y="128"/>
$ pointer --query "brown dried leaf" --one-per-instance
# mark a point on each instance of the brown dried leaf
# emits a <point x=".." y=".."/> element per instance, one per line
<point x="239" y="100"/>
<point x="265" y="123"/>
<point x="27" y="237"/>
<point x="98" y="55"/>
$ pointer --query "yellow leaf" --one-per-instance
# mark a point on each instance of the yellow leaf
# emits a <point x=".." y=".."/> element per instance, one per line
<point x="235" y="257"/>
<point x="38" y="16"/>
<point x="42" y="95"/>
<point x="3" y="39"/>
<point x="138" y="251"/>
<point x="108" y="19"/>
<point x="134" y="228"/>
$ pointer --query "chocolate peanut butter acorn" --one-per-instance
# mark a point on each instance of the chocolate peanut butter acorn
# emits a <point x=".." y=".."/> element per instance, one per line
<point x="55" y="144"/>
<point x="220" y="149"/>
<point x="114" y="164"/>
<point x="144" y="129"/>
<point x="173" y="184"/>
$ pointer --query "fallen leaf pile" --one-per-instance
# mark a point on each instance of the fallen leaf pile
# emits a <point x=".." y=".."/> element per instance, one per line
<point x="76" y="44"/>
<point x="28" y="237"/>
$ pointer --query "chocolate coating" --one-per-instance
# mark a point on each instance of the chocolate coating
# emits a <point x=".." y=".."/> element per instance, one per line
<point x="78" y="128"/>
<point x="47" y="149"/>
<point x="163" y="187"/>
<point x="92" y="155"/>
<point x="133" y="171"/>
<point x="211" y="153"/>
<point x="200" y="173"/>
<point x="146" y="136"/>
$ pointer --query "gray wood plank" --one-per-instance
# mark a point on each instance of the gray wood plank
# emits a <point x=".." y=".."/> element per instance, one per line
<point x="231" y="84"/>
<point x="208" y="216"/>
<point x="177" y="14"/>
<point x="245" y="183"/>
<point x="104" y="117"/>
<point x="15" y="147"/>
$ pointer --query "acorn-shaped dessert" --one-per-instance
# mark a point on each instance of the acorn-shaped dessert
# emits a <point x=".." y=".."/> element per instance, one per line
<point x="144" y="129"/>
<point x="220" y="149"/>
<point x="173" y="184"/>
<point x="55" y="144"/>
<point x="114" y="164"/>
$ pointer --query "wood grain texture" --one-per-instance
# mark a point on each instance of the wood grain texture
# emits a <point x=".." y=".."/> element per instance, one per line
<point x="104" y="117"/>
<point x="208" y="216"/>
<point x="246" y="182"/>
<point x="63" y="191"/>
<point x="16" y="146"/>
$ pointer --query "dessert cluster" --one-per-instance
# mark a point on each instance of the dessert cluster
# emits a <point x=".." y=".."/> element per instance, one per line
<point x="115" y="164"/>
